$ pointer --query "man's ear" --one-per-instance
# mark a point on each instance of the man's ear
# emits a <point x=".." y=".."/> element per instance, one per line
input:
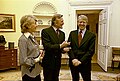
<point x="54" y="22"/>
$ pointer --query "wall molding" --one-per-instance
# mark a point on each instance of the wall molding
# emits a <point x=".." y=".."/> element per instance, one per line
<point x="44" y="8"/>
<point x="89" y="2"/>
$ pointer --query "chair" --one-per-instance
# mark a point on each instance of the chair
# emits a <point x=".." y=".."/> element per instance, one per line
<point x="115" y="56"/>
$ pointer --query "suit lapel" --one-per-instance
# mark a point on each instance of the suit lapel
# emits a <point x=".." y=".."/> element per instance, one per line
<point x="33" y="40"/>
<point x="75" y="37"/>
<point x="61" y="37"/>
<point x="53" y="34"/>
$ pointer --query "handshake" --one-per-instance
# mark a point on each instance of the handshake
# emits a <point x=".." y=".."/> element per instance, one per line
<point x="64" y="46"/>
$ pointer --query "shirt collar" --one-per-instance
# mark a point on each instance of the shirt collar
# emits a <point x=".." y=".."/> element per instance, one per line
<point x="27" y="34"/>
<point x="54" y="28"/>
<point x="83" y="31"/>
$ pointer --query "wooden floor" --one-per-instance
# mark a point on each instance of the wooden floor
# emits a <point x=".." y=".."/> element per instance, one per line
<point x="96" y="67"/>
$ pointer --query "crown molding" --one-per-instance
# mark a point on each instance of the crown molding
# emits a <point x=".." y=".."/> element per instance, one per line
<point x="89" y="2"/>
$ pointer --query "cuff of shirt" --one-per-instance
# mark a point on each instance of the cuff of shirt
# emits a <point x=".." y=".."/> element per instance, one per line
<point x="37" y="59"/>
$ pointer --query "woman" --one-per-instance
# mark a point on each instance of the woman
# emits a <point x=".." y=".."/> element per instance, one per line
<point x="29" y="51"/>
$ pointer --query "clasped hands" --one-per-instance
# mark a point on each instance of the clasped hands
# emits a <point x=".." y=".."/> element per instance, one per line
<point x="76" y="62"/>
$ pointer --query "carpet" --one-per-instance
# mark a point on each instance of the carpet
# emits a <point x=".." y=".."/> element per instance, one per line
<point x="64" y="76"/>
<point x="96" y="76"/>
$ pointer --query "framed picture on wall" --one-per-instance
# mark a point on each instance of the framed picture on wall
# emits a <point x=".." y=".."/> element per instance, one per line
<point x="7" y="23"/>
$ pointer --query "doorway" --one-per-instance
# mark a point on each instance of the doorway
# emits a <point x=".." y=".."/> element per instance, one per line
<point x="93" y="20"/>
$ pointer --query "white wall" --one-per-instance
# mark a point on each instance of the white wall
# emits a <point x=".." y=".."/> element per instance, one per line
<point x="23" y="7"/>
<point x="19" y="8"/>
<point x="114" y="38"/>
<point x="114" y="34"/>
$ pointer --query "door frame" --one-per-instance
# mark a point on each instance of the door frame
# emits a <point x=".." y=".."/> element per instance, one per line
<point x="73" y="14"/>
<point x="73" y="8"/>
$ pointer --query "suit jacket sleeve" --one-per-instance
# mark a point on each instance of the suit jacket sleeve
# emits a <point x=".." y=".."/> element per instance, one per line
<point x="48" y="41"/>
<point x="70" y="53"/>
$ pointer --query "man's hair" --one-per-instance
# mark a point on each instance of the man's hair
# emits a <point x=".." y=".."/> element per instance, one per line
<point x="55" y="17"/>
<point x="83" y="17"/>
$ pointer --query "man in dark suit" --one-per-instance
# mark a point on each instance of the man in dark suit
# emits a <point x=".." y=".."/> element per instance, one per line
<point x="82" y="43"/>
<point x="54" y="44"/>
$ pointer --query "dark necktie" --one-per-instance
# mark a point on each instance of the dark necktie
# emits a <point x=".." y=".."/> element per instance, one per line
<point x="57" y="31"/>
<point x="79" y="37"/>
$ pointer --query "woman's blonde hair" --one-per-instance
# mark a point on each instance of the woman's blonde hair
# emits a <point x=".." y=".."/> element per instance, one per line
<point x="26" y="21"/>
